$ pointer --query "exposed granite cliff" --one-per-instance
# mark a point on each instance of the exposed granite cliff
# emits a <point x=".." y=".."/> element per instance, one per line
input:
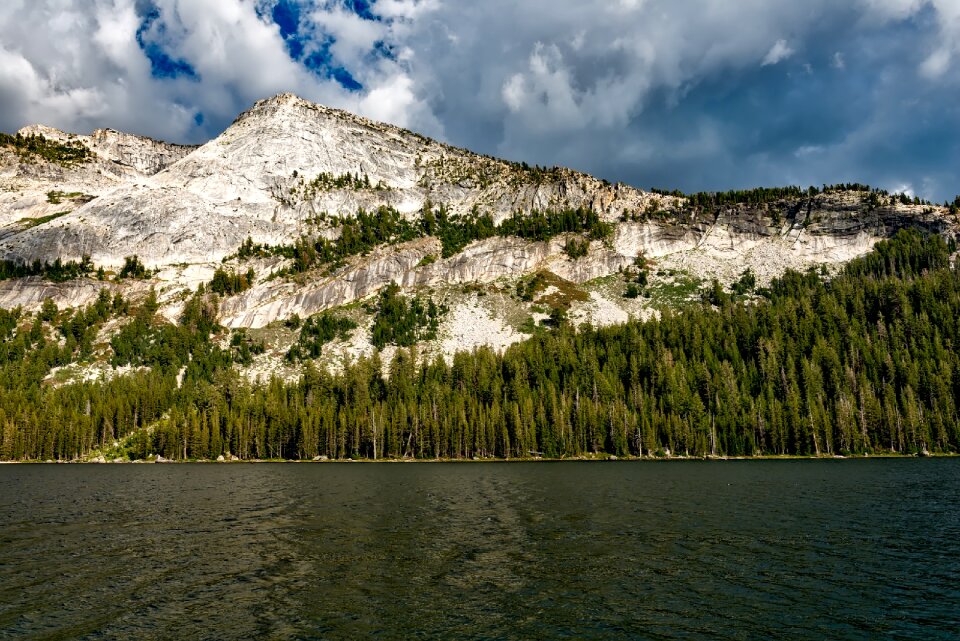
<point x="283" y="163"/>
<point x="258" y="179"/>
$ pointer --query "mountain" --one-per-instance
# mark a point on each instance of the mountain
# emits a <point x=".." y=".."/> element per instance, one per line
<point x="289" y="173"/>
<point x="312" y="284"/>
<point x="202" y="205"/>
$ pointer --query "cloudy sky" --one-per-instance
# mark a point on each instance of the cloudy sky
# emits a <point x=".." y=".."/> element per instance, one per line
<point x="689" y="94"/>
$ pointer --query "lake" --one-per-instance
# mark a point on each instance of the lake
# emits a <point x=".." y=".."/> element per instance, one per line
<point x="847" y="549"/>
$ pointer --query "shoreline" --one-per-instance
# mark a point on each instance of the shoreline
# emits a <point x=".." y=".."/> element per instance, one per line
<point x="572" y="459"/>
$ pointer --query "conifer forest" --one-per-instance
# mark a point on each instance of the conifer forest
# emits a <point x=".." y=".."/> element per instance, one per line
<point x="865" y="361"/>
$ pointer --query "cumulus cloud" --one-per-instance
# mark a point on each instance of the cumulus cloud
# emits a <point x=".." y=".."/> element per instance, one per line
<point x="667" y="92"/>
<point x="946" y="15"/>
<point x="80" y="64"/>
<point x="778" y="52"/>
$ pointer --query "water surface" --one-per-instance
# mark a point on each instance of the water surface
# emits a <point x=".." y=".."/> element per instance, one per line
<point x="866" y="549"/>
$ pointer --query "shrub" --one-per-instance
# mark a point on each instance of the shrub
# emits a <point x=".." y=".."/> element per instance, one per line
<point x="576" y="248"/>
<point x="133" y="268"/>
<point x="229" y="283"/>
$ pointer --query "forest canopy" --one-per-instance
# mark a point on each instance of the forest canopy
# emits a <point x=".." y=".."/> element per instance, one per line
<point x="865" y="362"/>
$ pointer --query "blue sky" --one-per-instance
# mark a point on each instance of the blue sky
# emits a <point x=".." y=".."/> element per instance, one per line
<point x="689" y="94"/>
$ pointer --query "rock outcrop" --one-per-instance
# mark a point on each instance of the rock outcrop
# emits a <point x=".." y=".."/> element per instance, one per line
<point x="140" y="153"/>
<point x="146" y="155"/>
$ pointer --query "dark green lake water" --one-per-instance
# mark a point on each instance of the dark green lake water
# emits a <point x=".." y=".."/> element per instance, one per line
<point x="866" y="549"/>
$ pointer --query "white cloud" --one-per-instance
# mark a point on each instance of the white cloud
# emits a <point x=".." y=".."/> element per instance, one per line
<point x="778" y="52"/>
<point x="548" y="65"/>
<point x="353" y="36"/>
<point x="395" y="102"/>
<point x="543" y="94"/>
<point x="891" y="9"/>
<point x="936" y="64"/>
<point x="403" y="9"/>
<point x="947" y="16"/>
<point x="86" y="69"/>
<point x="902" y="188"/>
<point x="838" y="61"/>
<point x="805" y="151"/>
<point x="514" y="92"/>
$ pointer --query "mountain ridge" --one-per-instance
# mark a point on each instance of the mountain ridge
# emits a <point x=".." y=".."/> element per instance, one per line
<point x="288" y="173"/>
<point x="248" y="172"/>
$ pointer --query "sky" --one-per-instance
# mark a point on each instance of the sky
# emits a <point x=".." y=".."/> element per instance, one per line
<point x="697" y="95"/>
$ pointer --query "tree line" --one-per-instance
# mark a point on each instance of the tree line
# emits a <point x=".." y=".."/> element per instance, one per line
<point x="712" y="200"/>
<point x="58" y="271"/>
<point x="385" y="225"/>
<point x="38" y="146"/>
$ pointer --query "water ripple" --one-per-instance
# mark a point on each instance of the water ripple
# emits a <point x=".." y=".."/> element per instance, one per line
<point x="734" y="550"/>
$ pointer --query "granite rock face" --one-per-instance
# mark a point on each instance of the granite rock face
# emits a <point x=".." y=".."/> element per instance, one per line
<point x="171" y="204"/>
<point x="145" y="155"/>
<point x="287" y="163"/>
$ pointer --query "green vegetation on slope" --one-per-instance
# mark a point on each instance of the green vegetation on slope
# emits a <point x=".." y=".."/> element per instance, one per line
<point x="57" y="197"/>
<point x="134" y="268"/>
<point x="32" y="147"/>
<point x="29" y="223"/>
<point x="325" y="182"/>
<point x="57" y="271"/>
<point x="554" y="293"/>
<point x="403" y="321"/>
<point x="367" y="230"/>
<point x="867" y="362"/>
<point x="711" y="201"/>
<point x="317" y="331"/>
<point x="228" y="283"/>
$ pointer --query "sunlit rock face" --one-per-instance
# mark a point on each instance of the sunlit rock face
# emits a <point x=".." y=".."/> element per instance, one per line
<point x="287" y="163"/>
<point x="171" y="204"/>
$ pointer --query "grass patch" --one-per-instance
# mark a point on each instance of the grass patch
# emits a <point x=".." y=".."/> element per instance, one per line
<point x="29" y="223"/>
<point x="55" y="197"/>
<point x="551" y="293"/>
<point x="677" y="289"/>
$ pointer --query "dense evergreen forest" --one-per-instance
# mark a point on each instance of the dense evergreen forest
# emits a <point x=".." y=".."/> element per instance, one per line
<point x="866" y="362"/>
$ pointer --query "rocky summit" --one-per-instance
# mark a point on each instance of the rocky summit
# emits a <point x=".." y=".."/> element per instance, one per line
<point x="298" y="208"/>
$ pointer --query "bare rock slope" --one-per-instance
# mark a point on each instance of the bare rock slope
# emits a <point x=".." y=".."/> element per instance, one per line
<point x="287" y="163"/>
<point x="260" y="179"/>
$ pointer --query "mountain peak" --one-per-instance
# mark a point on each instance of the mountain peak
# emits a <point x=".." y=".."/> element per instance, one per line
<point x="50" y="133"/>
<point x="280" y="100"/>
<point x="289" y="168"/>
<point x="292" y="109"/>
<point x="280" y="103"/>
